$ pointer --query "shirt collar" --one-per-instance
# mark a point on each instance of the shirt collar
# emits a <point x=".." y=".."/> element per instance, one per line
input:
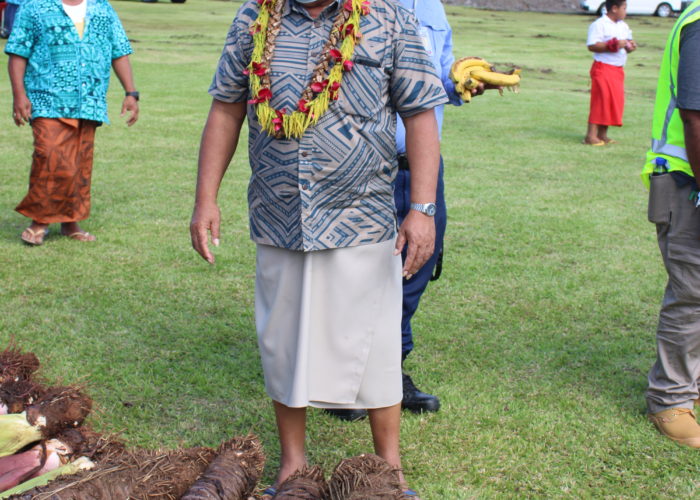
<point x="294" y="6"/>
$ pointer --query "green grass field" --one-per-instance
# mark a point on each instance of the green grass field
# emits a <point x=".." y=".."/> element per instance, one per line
<point x="537" y="338"/>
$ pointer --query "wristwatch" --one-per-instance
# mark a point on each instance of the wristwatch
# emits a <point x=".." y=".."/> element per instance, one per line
<point x="134" y="94"/>
<point x="428" y="209"/>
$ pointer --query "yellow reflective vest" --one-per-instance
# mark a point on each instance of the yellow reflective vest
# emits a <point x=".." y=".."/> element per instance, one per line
<point x="667" y="139"/>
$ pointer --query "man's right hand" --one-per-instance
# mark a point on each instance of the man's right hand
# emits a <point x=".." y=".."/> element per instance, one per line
<point x="205" y="219"/>
<point x="21" y="110"/>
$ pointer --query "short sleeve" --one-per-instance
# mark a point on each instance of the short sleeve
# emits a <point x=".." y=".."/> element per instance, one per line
<point x="688" y="84"/>
<point x="25" y="33"/>
<point x="595" y="34"/>
<point x="628" y="32"/>
<point x="230" y="84"/>
<point x="120" y="42"/>
<point x="414" y="85"/>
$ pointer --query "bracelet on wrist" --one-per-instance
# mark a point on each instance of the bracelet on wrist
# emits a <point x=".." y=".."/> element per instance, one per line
<point x="613" y="45"/>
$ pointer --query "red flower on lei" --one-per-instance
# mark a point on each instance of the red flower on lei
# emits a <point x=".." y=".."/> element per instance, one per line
<point x="264" y="94"/>
<point x="278" y="121"/>
<point x="319" y="87"/>
<point x="336" y="55"/>
<point x="333" y="92"/>
<point x="258" y="69"/>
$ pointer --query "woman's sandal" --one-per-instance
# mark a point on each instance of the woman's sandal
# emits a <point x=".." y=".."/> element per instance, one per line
<point x="81" y="236"/>
<point x="34" y="238"/>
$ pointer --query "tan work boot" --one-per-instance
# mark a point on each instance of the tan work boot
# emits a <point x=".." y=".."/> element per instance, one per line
<point x="678" y="424"/>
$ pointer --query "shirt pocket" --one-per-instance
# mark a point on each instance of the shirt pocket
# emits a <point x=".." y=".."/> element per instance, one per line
<point x="364" y="89"/>
<point x="433" y="32"/>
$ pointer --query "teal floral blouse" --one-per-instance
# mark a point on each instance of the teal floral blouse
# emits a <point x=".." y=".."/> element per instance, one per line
<point x="67" y="77"/>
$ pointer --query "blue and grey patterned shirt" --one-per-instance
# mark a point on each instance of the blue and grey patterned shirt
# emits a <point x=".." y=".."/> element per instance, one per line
<point x="331" y="188"/>
<point x="67" y="77"/>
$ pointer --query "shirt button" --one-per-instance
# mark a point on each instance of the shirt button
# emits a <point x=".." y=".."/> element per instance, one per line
<point x="305" y="186"/>
<point x="317" y="24"/>
<point x="304" y="154"/>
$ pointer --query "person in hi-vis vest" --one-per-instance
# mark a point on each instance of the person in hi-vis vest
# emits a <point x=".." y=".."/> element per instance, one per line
<point x="673" y="171"/>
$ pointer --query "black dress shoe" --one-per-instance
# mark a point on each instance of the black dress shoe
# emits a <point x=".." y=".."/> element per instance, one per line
<point x="415" y="400"/>
<point x="347" y="414"/>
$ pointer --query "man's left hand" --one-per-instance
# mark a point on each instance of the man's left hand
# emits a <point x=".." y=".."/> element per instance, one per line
<point x="483" y="87"/>
<point x="418" y="232"/>
<point x="131" y="106"/>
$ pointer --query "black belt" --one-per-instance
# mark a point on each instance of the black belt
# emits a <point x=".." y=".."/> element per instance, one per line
<point x="403" y="162"/>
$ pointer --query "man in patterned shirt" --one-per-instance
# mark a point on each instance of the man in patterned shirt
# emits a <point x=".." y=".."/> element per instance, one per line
<point x="328" y="275"/>
<point x="59" y="70"/>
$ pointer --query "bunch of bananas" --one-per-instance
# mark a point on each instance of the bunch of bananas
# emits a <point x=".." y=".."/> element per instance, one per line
<point x="467" y="73"/>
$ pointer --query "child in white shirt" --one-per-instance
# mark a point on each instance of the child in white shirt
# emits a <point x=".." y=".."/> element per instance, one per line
<point x="610" y="40"/>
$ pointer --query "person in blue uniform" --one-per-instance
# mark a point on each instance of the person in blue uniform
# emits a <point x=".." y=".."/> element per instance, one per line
<point x="436" y="34"/>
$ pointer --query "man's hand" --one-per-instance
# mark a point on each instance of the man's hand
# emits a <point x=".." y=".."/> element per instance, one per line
<point x="21" y="110"/>
<point x="205" y="219"/>
<point x="418" y="232"/>
<point x="131" y="106"/>
<point x="483" y="87"/>
<point x="630" y="46"/>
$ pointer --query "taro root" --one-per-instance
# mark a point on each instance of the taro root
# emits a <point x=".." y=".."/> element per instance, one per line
<point x="233" y="474"/>
<point x="59" y="409"/>
<point x="304" y="484"/>
<point x="97" y="447"/>
<point x="137" y="474"/>
<point x="18" y="394"/>
<point x="16" y="365"/>
<point x="365" y="477"/>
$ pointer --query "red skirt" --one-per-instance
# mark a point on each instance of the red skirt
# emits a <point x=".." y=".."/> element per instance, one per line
<point x="607" y="94"/>
<point x="59" y="182"/>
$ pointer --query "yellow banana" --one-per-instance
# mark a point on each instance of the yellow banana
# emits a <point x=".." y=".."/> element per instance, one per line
<point x="468" y="72"/>
<point x="496" y="78"/>
<point x="461" y="68"/>
<point x="464" y="94"/>
<point x="471" y="83"/>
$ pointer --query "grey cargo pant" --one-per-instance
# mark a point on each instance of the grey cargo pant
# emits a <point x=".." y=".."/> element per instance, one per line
<point x="673" y="380"/>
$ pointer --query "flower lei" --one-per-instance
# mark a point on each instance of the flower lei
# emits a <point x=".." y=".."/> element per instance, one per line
<point x="326" y="78"/>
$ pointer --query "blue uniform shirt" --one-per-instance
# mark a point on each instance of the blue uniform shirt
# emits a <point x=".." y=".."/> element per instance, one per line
<point x="437" y="37"/>
<point x="66" y="76"/>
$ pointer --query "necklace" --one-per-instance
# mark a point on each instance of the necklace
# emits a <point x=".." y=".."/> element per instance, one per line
<point x="326" y="78"/>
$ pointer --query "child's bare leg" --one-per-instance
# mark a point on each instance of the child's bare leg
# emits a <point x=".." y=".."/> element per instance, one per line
<point x="592" y="134"/>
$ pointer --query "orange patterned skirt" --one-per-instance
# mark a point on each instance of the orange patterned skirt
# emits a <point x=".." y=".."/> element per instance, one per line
<point x="59" y="181"/>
